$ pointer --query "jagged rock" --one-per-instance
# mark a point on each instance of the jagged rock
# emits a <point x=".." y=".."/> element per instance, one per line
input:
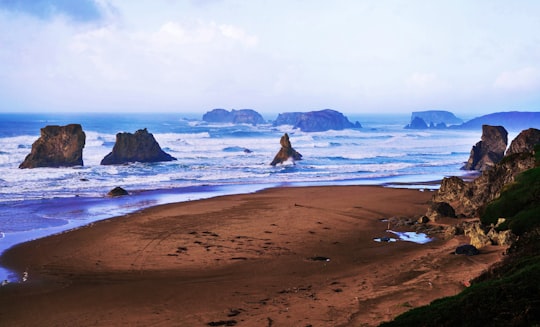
<point x="242" y="116"/>
<point x="478" y="237"/>
<point x="58" y="146"/>
<point x="138" y="147"/>
<point x="439" y="210"/>
<point x="502" y="238"/>
<point x="432" y="119"/>
<point x="117" y="191"/>
<point x="490" y="150"/>
<point x="286" y="152"/>
<point x="316" y="121"/>
<point x="468" y="198"/>
<point x="524" y="142"/>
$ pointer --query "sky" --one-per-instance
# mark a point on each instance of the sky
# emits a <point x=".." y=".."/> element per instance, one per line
<point x="355" y="56"/>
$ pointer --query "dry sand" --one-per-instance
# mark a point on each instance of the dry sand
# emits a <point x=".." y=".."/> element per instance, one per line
<point x="243" y="260"/>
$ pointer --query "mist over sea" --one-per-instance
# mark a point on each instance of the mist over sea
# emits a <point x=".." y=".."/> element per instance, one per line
<point x="212" y="160"/>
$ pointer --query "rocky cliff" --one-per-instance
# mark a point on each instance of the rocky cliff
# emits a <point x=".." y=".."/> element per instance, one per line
<point x="58" y="146"/>
<point x="242" y="116"/>
<point x="316" y="121"/>
<point x="490" y="150"/>
<point x="469" y="198"/>
<point x="524" y="142"/>
<point x="138" y="147"/>
<point x="286" y="152"/>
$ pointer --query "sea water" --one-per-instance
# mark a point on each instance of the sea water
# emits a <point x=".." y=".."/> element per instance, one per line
<point x="212" y="159"/>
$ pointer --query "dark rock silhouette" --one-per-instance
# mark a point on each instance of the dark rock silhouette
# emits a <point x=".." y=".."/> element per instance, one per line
<point x="138" y="147"/>
<point x="242" y="116"/>
<point x="117" y="191"/>
<point x="438" y="119"/>
<point x="524" y="142"/>
<point x="58" y="146"/>
<point x="439" y="210"/>
<point x="467" y="249"/>
<point x="490" y="150"/>
<point x="316" y="121"/>
<point x="286" y="151"/>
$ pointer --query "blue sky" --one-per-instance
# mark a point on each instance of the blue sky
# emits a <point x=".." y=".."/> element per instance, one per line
<point x="356" y="56"/>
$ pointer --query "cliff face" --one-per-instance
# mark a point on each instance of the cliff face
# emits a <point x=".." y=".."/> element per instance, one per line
<point x="138" y="147"/>
<point x="490" y="150"/>
<point x="524" y="142"/>
<point x="316" y="121"/>
<point x="58" y="146"/>
<point x="469" y="198"/>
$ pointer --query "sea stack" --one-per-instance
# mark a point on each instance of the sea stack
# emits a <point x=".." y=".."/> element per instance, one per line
<point x="138" y="147"/>
<point x="286" y="151"/>
<point x="490" y="150"/>
<point x="58" y="146"/>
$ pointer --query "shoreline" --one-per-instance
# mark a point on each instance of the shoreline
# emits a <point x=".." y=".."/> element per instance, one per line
<point x="246" y="257"/>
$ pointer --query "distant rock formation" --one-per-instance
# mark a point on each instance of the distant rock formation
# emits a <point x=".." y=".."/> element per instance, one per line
<point x="438" y="119"/>
<point x="524" y="142"/>
<point x="242" y="116"/>
<point x="286" y="152"/>
<point x="138" y="147"/>
<point x="511" y="120"/>
<point x="58" y="146"/>
<point x="490" y="150"/>
<point x="316" y="121"/>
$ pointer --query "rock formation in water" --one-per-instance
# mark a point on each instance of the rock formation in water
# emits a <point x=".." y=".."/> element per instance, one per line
<point x="439" y="119"/>
<point x="242" y="116"/>
<point x="316" y="121"/>
<point x="138" y="147"/>
<point x="58" y="146"/>
<point x="117" y="191"/>
<point x="490" y="150"/>
<point x="286" y="152"/>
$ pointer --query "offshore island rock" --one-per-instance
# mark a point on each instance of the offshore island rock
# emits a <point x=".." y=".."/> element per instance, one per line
<point x="439" y="119"/>
<point x="138" y="147"/>
<point x="490" y="150"/>
<point x="242" y="116"/>
<point x="58" y="146"/>
<point x="286" y="151"/>
<point x="117" y="191"/>
<point x="316" y="121"/>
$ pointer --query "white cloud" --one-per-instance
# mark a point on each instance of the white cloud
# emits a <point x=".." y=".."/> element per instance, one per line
<point x="523" y="79"/>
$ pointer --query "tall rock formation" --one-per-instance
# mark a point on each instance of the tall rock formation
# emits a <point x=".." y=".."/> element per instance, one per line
<point x="138" y="147"/>
<point x="490" y="150"/>
<point x="432" y="119"/>
<point x="286" y="151"/>
<point x="58" y="146"/>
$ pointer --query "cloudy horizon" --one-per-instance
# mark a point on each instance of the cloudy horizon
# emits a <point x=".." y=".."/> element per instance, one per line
<point x="357" y="57"/>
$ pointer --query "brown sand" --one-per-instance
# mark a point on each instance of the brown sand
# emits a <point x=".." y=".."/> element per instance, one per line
<point x="240" y="260"/>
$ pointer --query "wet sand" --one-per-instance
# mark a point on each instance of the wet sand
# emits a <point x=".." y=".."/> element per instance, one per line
<point x="280" y="257"/>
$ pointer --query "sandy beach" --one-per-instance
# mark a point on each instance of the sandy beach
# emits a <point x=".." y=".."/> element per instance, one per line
<point x="299" y="256"/>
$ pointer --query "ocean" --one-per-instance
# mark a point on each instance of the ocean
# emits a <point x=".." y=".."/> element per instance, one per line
<point x="211" y="160"/>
